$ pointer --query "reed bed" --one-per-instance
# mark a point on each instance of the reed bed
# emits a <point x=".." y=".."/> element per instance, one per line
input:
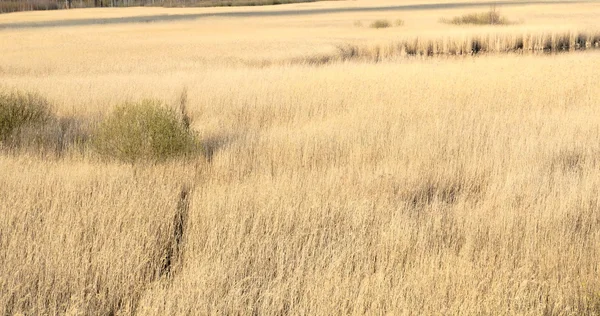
<point x="374" y="183"/>
<point x="531" y="43"/>
<point x="354" y="188"/>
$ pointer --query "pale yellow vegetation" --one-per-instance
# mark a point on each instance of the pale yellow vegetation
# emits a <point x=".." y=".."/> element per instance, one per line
<point x="409" y="186"/>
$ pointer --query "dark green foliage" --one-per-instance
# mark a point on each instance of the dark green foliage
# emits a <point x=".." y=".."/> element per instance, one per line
<point x="143" y="131"/>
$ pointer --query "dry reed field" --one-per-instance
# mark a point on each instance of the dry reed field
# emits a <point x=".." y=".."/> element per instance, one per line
<point x="317" y="184"/>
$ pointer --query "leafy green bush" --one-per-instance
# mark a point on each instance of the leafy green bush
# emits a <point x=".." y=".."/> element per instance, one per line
<point x="18" y="110"/>
<point x="379" y="24"/>
<point x="146" y="130"/>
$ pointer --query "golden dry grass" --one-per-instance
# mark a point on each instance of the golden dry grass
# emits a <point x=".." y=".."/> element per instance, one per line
<point x="436" y="186"/>
<point x="218" y="41"/>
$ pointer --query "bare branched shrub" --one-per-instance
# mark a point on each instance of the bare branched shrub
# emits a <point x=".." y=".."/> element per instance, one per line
<point x="491" y="17"/>
<point x="146" y="130"/>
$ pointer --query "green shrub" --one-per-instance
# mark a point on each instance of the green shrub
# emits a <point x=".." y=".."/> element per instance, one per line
<point x="147" y="131"/>
<point x="18" y="110"/>
<point x="379" y="24"/>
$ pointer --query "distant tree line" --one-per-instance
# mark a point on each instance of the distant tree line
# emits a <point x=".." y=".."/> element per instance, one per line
<point x="29" y="5"/>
